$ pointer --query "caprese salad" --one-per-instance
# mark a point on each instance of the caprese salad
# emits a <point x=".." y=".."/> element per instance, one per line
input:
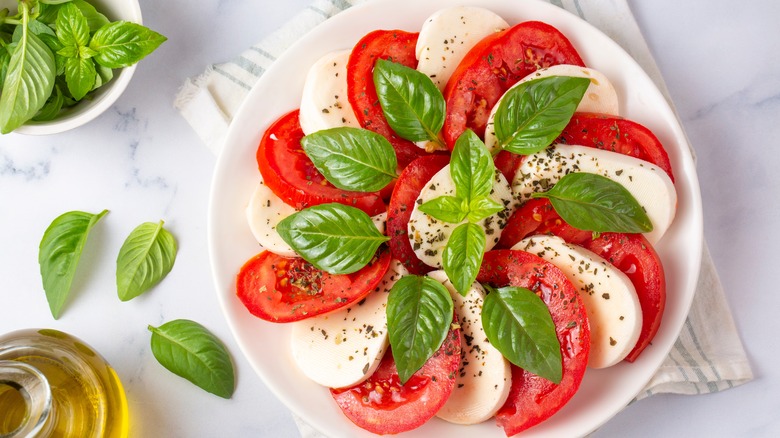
<point x="457" y="223"/>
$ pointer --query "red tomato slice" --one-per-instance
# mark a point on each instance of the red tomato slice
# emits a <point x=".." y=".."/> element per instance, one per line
<point x="382" y="405"/>
<point x="407" y="188"/>
<point x="395" y="45"/>
<point x="495" y="64"/>
<point x="537" y="216"/>
<point x="616" y="134"/>
<point x="281" y="289"/>
<point x="533" y="399"/>
<point x="291" y="175"/>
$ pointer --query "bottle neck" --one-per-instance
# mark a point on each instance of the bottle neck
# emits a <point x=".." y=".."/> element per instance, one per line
<point x="27" y="393"/>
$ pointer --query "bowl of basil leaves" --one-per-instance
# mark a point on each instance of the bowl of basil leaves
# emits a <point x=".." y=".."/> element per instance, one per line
<point x="64" y="62"/>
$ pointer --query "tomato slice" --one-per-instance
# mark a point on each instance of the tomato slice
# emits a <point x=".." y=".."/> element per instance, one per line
<point x="493" y="65"/>
<point x="537" y="216"/>
<point x="382" y="405"/>
<point x="407" y="188"/>
<point x="282" y="289"/>
<point x="533" y="399"/>
<point x="291" y="175"/>
<point x="618" y="135"/>
<point x="395" y="45"/>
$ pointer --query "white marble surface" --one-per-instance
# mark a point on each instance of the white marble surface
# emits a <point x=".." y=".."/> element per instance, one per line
<point x="141" y="161"/>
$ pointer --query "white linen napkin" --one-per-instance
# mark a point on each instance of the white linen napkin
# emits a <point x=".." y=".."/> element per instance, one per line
<point x="707" y="357"/>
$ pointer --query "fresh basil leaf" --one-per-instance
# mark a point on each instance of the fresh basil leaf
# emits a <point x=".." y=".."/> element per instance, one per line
<point x="72" y="27"/>
<point x="122" y="43"/>
<point x="518" y="323"/>
<point x="463" y="254"/>
<point x="104" y="75"/>
<point x="419" y="314"/>
<point x="336" y="238"/>
<point x="482" y="208"/>
<point x="5" y="57"/>
<point x="68" y="52"/>
<point x="448" y="209"/>
<point x="29" y="79"/>
<point x="40" y="29"/>
<point x="86" y="53"/>
<point x="146" y="257"/>
<point x="95" y="20"/>
<point x="59" y="253"/>
<point x="80" y="76"/>
<point x="471" y="167"/>
<point x="191" y="351"/>
<point x="52" y="107"/>
<point x="352" y="158"/>
<point x="596" y="203"/>
<point x="413" y="105"/>
<point x="54" y="2"/>
<point x="533" y="114"/>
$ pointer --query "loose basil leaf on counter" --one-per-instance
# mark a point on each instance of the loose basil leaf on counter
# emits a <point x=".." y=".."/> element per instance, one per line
<point x="191" y="351"/>
<point x="596" y="203"/>
<point x="145" y="258"/>
<point x="122" y="43"/>
<point x="518" y="323"/>
<point x="419" y="314"/>
<point x="413" y="105"/>
<point x="462" y="256"/>
<point x="59" y="253"/>
<point x="533" y="114"/>
<point x="335" y="238"/>
<point x="352" y="158"/>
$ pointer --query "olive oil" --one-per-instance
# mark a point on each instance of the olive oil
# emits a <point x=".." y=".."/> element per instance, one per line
<point x="55" y="385"/>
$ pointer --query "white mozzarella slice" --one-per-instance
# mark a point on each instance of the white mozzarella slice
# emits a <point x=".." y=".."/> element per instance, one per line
<point x="264" y="212"/>
<point x="600" y="97"/>
<point x="448" y="34"/>
<point x="343" y="348"/>
<point x="428" y="236"/>
<point x="485" y="376"/>
<point x="650" y="185"/>
<point x="324" y="102"/>
<point x="610" y="299"/>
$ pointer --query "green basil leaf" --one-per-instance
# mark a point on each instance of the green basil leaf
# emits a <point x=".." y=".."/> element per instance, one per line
<point x="419" y="314"/>
<point x="413" y="105"/>
<point x="533" y="114"/>
<point x="471" y="167"/>
<point x="463" y="254"/>
<point x="40" y="29"/>
<point x="29" y="80"/>
<point x="5" y="57"/>
<point x="95" y="20"/>
<point x="68" y="52"/>
<point x="482" y="208"/>
<point x="449" y="209"/>
<point x="52" y="107"/>
<point x="72" y="27"/>
<point x="146" y="257"/>
<point x="54" y="2"/>
<point x="59" y="253"/>
<point x="518" y="323"/>
<point x="352" y="158"/>
<point x="336" y="238"/>
<point x="596" y="203"/>
<point x="191" y="351"/>
<point x="122" y="43"/>
<point x="104" y="75"/>
<point x="80" y="76"/>
<point x="85" y="52"/>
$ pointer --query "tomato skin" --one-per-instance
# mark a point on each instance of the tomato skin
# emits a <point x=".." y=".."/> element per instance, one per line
<point x="398" y="46"/>
<point x="616" y="134"/>
<point x="291" y="175"/>
<point x="493" y="65"/>
<point x="407" y="188"/>
<point x="374" y="404"/>
<point x="283" y="289"/>
<point x="537" y="216"/>
<point x="533" y="399"/>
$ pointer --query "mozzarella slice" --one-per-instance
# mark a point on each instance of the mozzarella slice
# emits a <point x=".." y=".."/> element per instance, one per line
<point x="485" y="377"/>
<point x="264" y="212"/>
<point x="428" y="236"/>
<point x="649" y="184"/>
<point x="343" y="348"/>
<point x="600" y="97"/>
<point x="448" y="34"/>
<point x="614" y="313"/>
<point x="324" y="102"/>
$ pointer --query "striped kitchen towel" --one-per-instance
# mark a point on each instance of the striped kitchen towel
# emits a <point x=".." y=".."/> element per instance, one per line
<point x="707" y="357"/>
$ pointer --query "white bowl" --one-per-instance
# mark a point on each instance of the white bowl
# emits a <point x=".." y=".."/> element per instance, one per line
<point x="105" y="96"/>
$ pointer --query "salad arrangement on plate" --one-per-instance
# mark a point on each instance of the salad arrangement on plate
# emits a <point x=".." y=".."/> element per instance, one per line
<point x="457" y="223"/>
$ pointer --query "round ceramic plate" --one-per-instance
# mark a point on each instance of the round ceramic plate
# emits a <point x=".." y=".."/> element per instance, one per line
<point x="267" y="346"/>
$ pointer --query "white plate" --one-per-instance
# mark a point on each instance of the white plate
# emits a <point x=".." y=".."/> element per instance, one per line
<point x="603" y="392"/>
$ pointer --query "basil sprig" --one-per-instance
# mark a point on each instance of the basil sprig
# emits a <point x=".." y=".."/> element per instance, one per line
<point x="146" y="257"/>
<point x="336" y="238"/>
<point x="596" y="203"/>
<point x="419" y="314"/>
<point x="531" y="115"/>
